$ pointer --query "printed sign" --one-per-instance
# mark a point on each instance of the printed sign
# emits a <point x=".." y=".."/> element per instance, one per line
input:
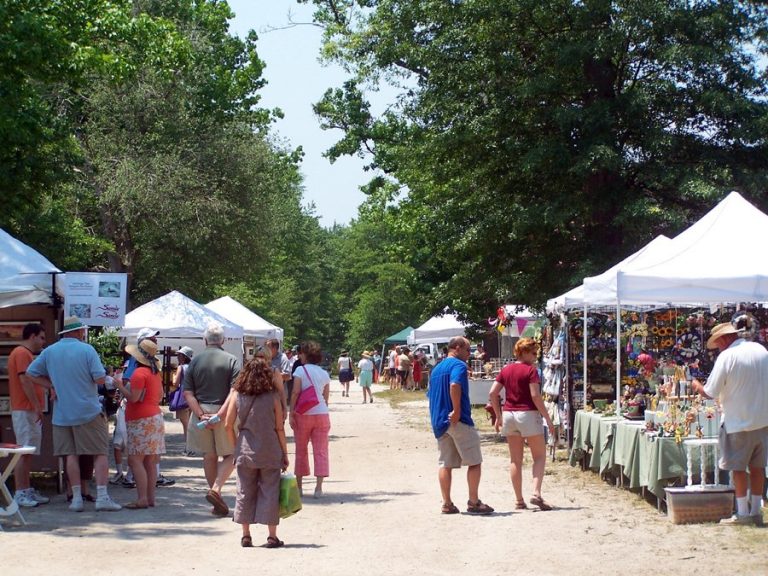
<point x="98" y="299"/>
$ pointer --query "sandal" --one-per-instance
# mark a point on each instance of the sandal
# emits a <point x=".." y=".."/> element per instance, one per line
<point x="521" y="505"/>
<point x="450" y="509"/>
<point x="539" y="501"/>
<point x="135" y="506"/>
<point x="220" y="507"/>
<point x="246" y="542"/>
<point x="479" y="508"/>
<point x="273" y="542"/>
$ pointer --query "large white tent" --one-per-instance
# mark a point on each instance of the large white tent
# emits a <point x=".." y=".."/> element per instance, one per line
<point x="26" y="276"/>
<point x="437" y="329"/>
<point x="254" y="326"/>
<point x="716" y="260"/>
<point x="181" y="322"/>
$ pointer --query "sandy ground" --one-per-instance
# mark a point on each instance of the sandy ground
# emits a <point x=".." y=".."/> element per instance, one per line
<point x="381" y="515"/>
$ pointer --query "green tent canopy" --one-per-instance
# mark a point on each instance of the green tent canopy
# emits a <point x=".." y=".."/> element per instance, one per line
<point x="399" y="338"/>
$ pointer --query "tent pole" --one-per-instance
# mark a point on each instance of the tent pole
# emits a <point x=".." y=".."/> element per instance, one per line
<point x="584" y="357"/>
<point x="618" y="357"/>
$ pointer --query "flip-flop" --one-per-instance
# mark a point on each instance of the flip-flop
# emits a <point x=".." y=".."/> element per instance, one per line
<point x="135" y="506"/>
<point x="273" y="542"/>
<point x="219" y="506"/>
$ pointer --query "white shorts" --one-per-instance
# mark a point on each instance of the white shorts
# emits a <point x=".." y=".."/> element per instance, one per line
<point x="524" y="423"/>
<point x="28" y="432"/>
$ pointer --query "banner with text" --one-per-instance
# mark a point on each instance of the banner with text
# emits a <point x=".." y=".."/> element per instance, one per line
<point x="97" y="298"/>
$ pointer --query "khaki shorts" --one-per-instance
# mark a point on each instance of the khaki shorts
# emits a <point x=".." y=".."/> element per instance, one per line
<point x="524" y="423"/>
<point x="91" y="438"/>
<point x="459" y="446"/>
<point x="26" y="429"/>
<point x="742" y="450"/>
<point x="209" y="440"/>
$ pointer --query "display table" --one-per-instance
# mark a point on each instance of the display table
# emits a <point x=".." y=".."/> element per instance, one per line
<point x="479" y="389"/>
<point x="8" y="506"/>
<point x="621" y="447"/>
<point x="593" y="440"/>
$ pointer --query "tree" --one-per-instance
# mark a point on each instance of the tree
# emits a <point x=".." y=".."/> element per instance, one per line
<point x="537" y="142"/>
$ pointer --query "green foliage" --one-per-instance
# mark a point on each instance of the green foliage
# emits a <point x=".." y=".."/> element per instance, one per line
<point x="538" y="142"/>
<point x="107" y="344"/>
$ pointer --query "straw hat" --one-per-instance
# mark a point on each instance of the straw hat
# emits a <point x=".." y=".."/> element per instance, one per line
<point x="144" y="353"/>
<point x="718" y="331"/>
<point x="72" y="323"/>
<point x="365" y="354"/>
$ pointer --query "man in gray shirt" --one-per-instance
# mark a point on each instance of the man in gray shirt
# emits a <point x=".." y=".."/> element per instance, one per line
<point x="207" y="384"/>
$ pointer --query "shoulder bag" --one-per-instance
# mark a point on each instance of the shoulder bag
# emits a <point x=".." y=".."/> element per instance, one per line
<point x="308" y="398"/>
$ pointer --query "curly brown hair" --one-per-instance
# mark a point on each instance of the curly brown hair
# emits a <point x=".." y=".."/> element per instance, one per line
<point x="255" y="378"/>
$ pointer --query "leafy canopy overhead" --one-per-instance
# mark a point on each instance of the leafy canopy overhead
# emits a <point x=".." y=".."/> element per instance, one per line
<point x="535" y="142"/>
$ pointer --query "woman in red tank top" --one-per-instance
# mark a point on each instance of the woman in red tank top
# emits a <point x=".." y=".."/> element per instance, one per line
<point x="521" y="419"/>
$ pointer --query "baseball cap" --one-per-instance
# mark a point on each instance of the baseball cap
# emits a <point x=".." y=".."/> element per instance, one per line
<point x="146" y="333"/>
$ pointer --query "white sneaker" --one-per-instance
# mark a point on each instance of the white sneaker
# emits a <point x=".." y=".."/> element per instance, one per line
<point x="117" y="478"/>
<point x="23" y="498"/>
<point x="76" y="505"/>
<point x="39" y="498"/>
<point x="737" y="520"/>
<point x="106" y="504"/>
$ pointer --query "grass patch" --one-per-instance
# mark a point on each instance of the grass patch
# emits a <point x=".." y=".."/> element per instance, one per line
<point x="398" y="397"/>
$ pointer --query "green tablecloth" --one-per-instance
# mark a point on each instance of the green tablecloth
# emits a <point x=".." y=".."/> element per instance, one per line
<point x="593" y="434"/>
<point x="620" y="447"/>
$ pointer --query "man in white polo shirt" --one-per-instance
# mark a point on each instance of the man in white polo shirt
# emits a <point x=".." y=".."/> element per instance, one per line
<point x="739" y="380"/>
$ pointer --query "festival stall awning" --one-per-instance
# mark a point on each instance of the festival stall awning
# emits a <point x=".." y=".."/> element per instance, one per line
<point x="399" y="337"/>
<point x="26" y="276"/>
<point x="176" y="316"/>
<point x="254" y="326"/>
<point x="716" y="260"/>
<point x="437" y="329"/>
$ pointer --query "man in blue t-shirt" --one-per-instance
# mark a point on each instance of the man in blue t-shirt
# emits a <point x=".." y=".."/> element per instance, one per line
<point x="457" y="439"/>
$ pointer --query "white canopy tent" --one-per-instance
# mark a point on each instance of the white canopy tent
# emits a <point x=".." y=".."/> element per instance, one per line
<point x="254" y="326"/>
<point x="716" y="260"/>
<point x="26" y="276"/>
<point x="437" y="329"/>
<point x="181" y="322"/>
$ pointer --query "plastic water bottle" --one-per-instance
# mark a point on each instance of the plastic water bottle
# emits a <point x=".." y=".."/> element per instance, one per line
<point x="212" y="420"/>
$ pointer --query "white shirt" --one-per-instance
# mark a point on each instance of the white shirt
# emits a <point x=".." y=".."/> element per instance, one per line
<point x="392" y="358"/>
<point x="365" y="364"/>
<point x="739" y="380"/>
<point x="312" y="374"/>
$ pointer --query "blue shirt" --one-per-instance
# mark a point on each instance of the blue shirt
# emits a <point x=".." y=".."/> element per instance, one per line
<point x="450" y="370"/>
<point x="73" y="367"/>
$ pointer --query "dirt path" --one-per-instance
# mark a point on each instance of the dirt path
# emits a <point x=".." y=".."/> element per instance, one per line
<point x="381" y="515"/>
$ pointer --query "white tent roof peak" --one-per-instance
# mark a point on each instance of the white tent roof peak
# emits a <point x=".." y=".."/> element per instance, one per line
<point x="717" y="259"/>
<point x="438" y="329"/>
<point x="253" y="324"/>
<point x="176" y="316"/>
<point x="25" y="274"/>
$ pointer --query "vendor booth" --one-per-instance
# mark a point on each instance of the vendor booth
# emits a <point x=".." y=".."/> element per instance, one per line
<point x="30" y="291"/>
<point x="256" y="330"/>
<point x="657" y="313"/>
<point x="181" y="322"/>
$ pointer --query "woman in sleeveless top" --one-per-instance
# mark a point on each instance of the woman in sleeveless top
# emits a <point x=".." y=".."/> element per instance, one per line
<point x="261" y="452"/>
<point x="346" y="372"/>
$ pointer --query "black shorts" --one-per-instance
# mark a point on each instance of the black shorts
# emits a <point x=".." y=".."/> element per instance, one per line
<point x="346" y="375"/>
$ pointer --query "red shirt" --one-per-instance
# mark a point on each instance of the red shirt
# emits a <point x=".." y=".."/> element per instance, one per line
<point x="143" y="379"/>
<point x="516" y="379"/>
<point x="18" y="362"/>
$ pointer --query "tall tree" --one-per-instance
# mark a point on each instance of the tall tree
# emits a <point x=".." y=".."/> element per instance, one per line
<point x="536" y="142"/>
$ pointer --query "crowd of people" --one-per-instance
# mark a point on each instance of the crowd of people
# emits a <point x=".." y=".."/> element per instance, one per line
<point x="234" y="416"/>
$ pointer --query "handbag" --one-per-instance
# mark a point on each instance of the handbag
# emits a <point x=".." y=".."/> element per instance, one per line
<point x="290" y="497"/>
<point x="308" y="398"/>
<point x="178" y="402"/>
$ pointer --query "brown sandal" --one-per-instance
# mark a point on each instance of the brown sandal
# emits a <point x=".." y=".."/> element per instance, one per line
<point x="539" y="501"/>
<point x="246" y="542"/>
<point x="521" y="505"/>
<point x="450" y="509"/>
<point x="479" y="508"/>
<point x="220" y="507"/>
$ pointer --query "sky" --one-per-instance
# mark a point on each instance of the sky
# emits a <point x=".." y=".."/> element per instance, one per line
<point x="296" y="80"/>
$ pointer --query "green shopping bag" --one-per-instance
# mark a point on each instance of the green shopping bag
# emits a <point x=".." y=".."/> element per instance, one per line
<point x="290" y="499"/>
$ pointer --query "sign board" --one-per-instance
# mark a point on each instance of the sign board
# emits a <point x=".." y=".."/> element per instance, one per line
<point x="97" y="298"/>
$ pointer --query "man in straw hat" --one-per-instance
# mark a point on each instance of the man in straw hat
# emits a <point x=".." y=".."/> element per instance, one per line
<point x="739" y="380"/>
<point x="74" y="370"/>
